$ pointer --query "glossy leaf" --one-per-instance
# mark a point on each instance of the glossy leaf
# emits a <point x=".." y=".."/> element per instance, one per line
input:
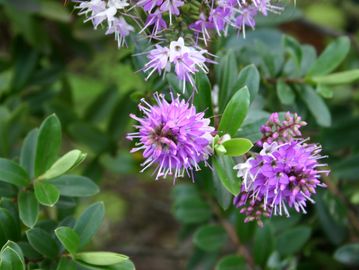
<point x="235" y="112"/>
<point x="12" y="173"/>
<point x="345" y="77"/>
<point x="248" y="76"/>
<point x="68" y="238"/>
<point x="46" y="193"/>
<point x="11" y="260"/>
<point x="9" y="227"/>
<point x="28" y="151"/>
<point x="237" y="146"/>
<point x="75" y="186"/>
<point x="89" y="222"/>
<point x="203" y="99"/>
<point x="42" y="242"/>
<point x="48" y="144"/>
<point x="101" y="258"/>
<point x="224" y="169"/>
<point x="28" y="208"/>
<point x="66" y="264"/>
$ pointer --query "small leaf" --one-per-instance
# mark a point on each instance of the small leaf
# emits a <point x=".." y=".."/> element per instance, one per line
<point x="263" y="244"/>
<point x="89" y="222"/>
<point x="224" y="169"/>
<point x="48" y="144"/>
<point x="248" y="76"/>
<point x="235" y="112"/>
<point x="285" y="93"/>
<point x="68" y="238"/>
<point x="64" y="164"/>
<point x="66" y="264"/>
<point x="345" y="77"/>
<point x="42" y="242"/>
<point x="101" y="258"/>
<point x="28" y="208"/>
<point x="316" y="105"/>
<point x="237" y="146"/>
<point x="293" y="240"/>
<point x="192" y="210"/>
<point x="28" y="150"/>
<point x="348" y="254"/>
<point x="203" y="99"/>
<point x="75" y="186"/>
<point x="331" y="58"/>
<point x="11" y="260"/>
<point x="46" y="193"/>
<point x="12" y="173"/>
<point x="231" y="262"/>
<point x="210" y="237"/>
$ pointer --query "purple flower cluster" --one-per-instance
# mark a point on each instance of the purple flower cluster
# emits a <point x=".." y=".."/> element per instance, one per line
<point x="285" y="174"/>
<point x="173" y="136"/>
<point x="186" y="61"/>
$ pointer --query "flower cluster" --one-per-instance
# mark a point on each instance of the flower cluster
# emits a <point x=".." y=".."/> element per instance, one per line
<point x="186" y="61"/>
<point x="173" y="136"/>
<point x="285" y="174"/>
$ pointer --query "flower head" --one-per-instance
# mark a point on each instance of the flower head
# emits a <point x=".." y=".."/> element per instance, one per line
<point x="173" y="136"/>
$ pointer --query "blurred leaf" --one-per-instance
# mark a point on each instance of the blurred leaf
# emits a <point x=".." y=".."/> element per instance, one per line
<point x="348" y="254"/>
<point x="285" y="93"/>
<point x="316" y="105"/>
<point x="331" y="58"/>
<point x="231" y="262"/>
<point x="101" y="258"/>
<point x="237" y="146"/>
<point x="235" y="112"/>
<point x="28" y="208"/>
<point x="347" y="168"/>
<point x="89" y="222"/>
<point x="224" y="198"/>
<point x="75" y="186"/>
<point x="192" y="210"/>
<point x="248" y="76"/>
<point x="64" y="164"/>
<point x="203" y="99"/>
<point x="125" y="265"/>
<point x="68" y="238"/>
<point x="227" y="72"/>
<point x="210" y="237"/>
<point x="344" y="77"/>
<point x="42" y="242"/>
<point x="48" y="144"/>
<point x="224" y="169"/>
<point x="177" y="86"/>
<point x="46" y="193"/>
<point x="325" y="91"/>
<point x="54" y="11"/>
<point x="66" y="264"/>
<point x="291" y="241"/>
<point x="294" y="49"/>
<point x="11" y="260"/>
<point x="263" y="244"/>
<point x="12" y="173"/>
<point x="28" y="151"/>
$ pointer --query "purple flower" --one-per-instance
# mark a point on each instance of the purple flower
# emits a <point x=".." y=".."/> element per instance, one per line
<point x="246" y="18"/>
<point x="173" y="136"/>
<point x="157" y="21"/>
<point x="281" y="176"/>
<point x="171" y="6"/>
<point x="121" y="29"/>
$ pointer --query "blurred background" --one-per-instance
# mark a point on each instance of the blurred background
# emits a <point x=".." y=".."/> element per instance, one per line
<point x="51" y="62"/>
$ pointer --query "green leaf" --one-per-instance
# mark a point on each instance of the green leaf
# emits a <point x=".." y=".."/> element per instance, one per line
<point x="325" y="91"/>
<point x="89" y="222"/>
<point x="292" y="241"/>
<point x="28" y="208"/>
<point x="66" y="264"/>
<point x="192" y="210"/>
<point x="347" y="168"/>
<point x="75" y="186"/>
<point x="210" y="237"/>
<point x="28" y="150"/>
<point x="54" y="11"/>
<point x="331" y="58"/>
<point x="46" y="193"/>
<point x="12" y="173"/>
<point x="231" y="262"/>
<point x="125" y="265"/>
<point x="11" y="260"/>
<point x="203" y="99"/>
<point x="224" y="198"/>
<point x="235" y="112"/>
<point x="248" y="76"/>
<point x="237" y="146"/>
<point x="42" y="242"/>
<point x="224" y="169"/>
<point x="15" y="247"/>
<point x="101" y="258"/>
<point x="263" y="244"/>
<point x="68" y="238"/>
<point x="285" y="93"/>
<point x="64" y="164"/>
<point x="227" y="72"/>
<point x="48" y="144"/>
<point x="345" y="77"/>
<point x="9" y="227"/>
<point x="348" y="254"/>
<point x="316" y="106"/>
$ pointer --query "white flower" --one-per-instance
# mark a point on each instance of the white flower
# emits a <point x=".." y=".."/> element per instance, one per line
<point x="177" y="49"/>
<point x="118" y="4"/>
<point x="244" y="171"/>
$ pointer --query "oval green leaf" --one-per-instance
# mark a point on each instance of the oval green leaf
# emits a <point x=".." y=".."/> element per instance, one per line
<point x="12" y="173"/>
<point x="101" y="258"/>
<point x="28" y="208"/>
<point x="210" y="238"/>
<point x="237" y="147"/>
<point x="75" y="186"/>
<point x="42" y="242"/>
<point x="46" y="193"/>
<point x="68" y="238"/>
